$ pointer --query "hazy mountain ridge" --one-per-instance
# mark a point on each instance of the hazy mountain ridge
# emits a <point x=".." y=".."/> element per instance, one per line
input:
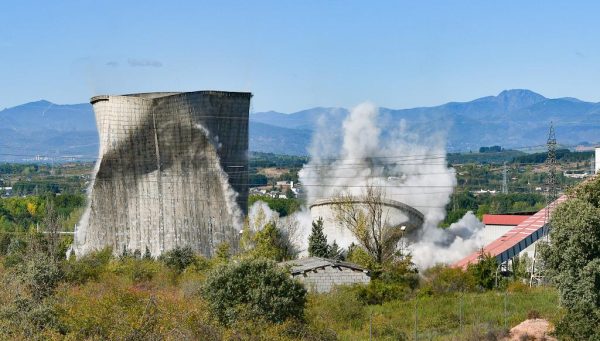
<point x="513" y="118"/>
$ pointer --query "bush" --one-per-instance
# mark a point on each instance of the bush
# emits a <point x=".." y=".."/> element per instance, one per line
<point x="579" y="324"/>
<point x="484" y="271"/>
<point x="340" y="306"/>
<point x="378" y="292"/>
<point x="15" y="252"/>
<point x="401" y="272"/>
<point x="442" y="279"/>
<point x="88" y="267"/>
<point x="41" y="276"/>
<point x="137" y="270"/>
<point x="24" y="319"/>
<point x="179" y="258"/>
<point x="517" y="286"/>
<point x="253" y="289"/>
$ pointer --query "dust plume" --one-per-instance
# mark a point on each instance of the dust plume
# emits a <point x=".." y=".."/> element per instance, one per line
<point x="408" y="165"/>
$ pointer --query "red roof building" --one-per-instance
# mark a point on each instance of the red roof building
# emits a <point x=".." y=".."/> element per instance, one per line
<point x="517" y="239"/>
<point x="503" y="219"/>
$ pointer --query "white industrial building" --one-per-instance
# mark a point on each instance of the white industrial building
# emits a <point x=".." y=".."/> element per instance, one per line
<point x="497" y="225"/>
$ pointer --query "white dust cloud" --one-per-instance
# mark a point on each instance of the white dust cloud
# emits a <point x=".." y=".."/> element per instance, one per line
<point x="408" y="166"/>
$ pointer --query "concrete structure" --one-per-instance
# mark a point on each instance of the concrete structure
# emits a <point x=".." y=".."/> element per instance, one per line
<point x="576" y="174"/>
<point x="322" y="275"/>
<point x="517" y="239"/>
<point x="172" y="172"/>
<point x="497" y="225"/>
<point x="396" y="213"/>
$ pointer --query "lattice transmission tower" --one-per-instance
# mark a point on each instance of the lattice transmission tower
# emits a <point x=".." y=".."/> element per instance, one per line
<point x="537" y="276"/>
<point x="551" y="180"/>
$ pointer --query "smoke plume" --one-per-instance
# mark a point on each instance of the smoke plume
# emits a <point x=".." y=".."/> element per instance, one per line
<point x="410" y="167"/>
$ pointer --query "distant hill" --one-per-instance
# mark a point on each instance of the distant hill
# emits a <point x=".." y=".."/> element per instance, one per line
<point x="512" y="119"/>
<point x="47" y="129"/>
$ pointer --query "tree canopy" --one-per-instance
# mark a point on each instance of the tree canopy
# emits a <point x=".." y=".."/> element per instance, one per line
<point x="317" y="240"/>
<point x="572" y="260"/>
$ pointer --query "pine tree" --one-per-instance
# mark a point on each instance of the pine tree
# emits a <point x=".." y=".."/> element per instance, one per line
<point x="317" y="241"/>
<point x="147" y="254"/>
<point x="335" y="252"/>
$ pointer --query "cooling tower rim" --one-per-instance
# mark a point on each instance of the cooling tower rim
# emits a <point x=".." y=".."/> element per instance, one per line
<point x="386" y="202"/>
<point x="163" y="94"/>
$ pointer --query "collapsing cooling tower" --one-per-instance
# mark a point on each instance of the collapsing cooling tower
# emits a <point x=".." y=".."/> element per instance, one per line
<point x="393" y="212"/>
<point x="172" y="172"/>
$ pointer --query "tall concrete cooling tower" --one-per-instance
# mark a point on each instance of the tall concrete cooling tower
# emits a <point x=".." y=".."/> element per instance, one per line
<point x="172" y="172"/>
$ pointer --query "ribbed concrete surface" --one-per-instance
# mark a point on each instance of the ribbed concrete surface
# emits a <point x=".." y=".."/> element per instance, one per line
<point x="172" y="172"/>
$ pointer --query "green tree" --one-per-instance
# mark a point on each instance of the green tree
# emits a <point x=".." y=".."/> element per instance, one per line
<point x="484" y="271"/>
<point x="364" y="216"/>
<point x="271" y="243"/>
<point x="223" y="253"/>
<point x="178" y="258"/>
<point x="335" y="252"/>
<point x="252" y="290"/>
<point x="572" y="261"/>
<point x="317" y="240"/>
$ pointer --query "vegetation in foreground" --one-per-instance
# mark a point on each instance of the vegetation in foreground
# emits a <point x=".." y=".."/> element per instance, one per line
<point x="177" y="296"/>
<point x="247" y="296"/>
<point x="100" y="297"/>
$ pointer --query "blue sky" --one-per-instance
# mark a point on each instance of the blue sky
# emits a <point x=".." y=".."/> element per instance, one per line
<point x="295" y="55"/>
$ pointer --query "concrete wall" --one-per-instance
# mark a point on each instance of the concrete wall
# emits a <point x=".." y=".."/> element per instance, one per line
<point x="394" y="212"/>
<point x="172" y="172"/>
<point x="493" y="232"/>
<point x="324" y="279"/>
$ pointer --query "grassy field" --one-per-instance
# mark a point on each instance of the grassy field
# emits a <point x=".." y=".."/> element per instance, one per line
<point x="452" y="317"/>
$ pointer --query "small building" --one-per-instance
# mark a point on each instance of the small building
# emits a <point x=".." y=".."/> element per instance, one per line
<point x="497" y="225"/>
<point x="321" y="274"/>
<point x="576" y="174"/>
<point x="6" y="191"/>
<point x="484" y="191"/>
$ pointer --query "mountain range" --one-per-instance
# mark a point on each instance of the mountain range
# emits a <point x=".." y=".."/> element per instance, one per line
<point x="512" y="119"/>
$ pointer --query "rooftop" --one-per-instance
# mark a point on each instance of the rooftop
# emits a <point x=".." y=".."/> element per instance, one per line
<point x="503" y="219"/>
<point x="303" y="265"/>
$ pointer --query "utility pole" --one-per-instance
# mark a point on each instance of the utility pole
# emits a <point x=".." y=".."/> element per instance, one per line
<point x="551" y="195"/>
<point x="504" y="179"/>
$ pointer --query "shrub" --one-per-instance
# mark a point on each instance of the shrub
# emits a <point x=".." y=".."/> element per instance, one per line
<point x="15" y="252"/>
<point x="253" y="289"/>
<point x="137" y="270"/>
<point x="5" y="239"/>
<point x="484" y="271"/>
<point x="340" y="306"/>
<point x="41" y="276"/>
<point x="272" y="243"/>
<point x="442" y="279"/>
<point x="179" y="258"/>
<point x="401" y="272"/>
<point x="378" y="292"/>
<point x="88" y="267"/>
<point x="517" y="286"/>
<point x="25" y="319"/>
<point x="356" y="254"/>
